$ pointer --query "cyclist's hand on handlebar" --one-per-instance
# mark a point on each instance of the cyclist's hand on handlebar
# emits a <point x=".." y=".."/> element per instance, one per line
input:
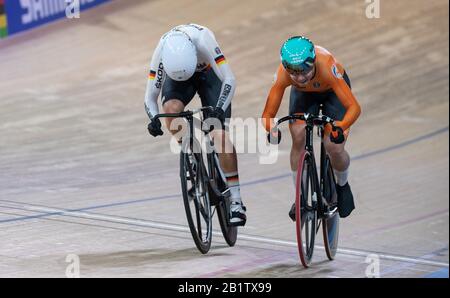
<point x="274" y="137"/>
<point x="154" y="128"/>
<point x="337" y="135"/>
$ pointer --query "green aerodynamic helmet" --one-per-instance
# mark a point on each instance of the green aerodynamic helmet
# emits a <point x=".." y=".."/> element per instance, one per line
<point x="298" y="54"/>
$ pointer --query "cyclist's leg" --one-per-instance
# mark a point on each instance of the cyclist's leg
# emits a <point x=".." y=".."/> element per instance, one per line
<point x="300" y="102"/>
<point x="209" y="91"/>
<point x="340" y="158"/>
<point x="175" y="97"/>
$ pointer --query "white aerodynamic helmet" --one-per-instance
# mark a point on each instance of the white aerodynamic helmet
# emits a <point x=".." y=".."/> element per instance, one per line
<point x="179" y="56"/>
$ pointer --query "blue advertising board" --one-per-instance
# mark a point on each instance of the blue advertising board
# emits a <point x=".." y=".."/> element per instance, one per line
<point x="26" y="14"/>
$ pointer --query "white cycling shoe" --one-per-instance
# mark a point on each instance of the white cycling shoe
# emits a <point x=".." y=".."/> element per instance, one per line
<point x="238" y="216"/>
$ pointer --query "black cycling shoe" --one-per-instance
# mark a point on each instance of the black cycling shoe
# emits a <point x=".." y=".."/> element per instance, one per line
<point x="346" y="203"/>
<point x="238" y="216"/>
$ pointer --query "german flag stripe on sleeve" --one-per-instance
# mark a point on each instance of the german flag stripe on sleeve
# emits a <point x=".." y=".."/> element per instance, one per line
<point x="234" y="178"/>
<point x="3" y="21"/>
<point x="152" y="75"/>
<point x="221" y="60"/>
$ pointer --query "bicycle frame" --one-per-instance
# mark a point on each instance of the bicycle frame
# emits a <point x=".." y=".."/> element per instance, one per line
<point x="212" y="162"/>
<point x="312" y="206"/>
<point x="312" y="121"/>
<point x="218" y="193"/>
<point x="309" y="146"/>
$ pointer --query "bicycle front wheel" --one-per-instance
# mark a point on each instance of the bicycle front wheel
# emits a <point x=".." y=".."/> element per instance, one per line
<point x="194" y="186"/>
<point x="306" y="208"/>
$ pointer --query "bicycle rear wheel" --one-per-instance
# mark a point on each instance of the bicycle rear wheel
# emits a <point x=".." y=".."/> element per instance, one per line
<point x="222" y="202"/>
<point x="229" y="232"/>
<point x="306" y="208"/>
<point x="194" y="186"/>
<point x="330" y="223"/>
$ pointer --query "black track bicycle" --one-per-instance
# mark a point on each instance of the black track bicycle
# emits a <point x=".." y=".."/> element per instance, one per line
<point x="316" y="197"/>
<point x="203" y="183"/>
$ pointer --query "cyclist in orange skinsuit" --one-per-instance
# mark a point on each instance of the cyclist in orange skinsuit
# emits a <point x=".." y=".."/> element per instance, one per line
<point x="317" y="80"/>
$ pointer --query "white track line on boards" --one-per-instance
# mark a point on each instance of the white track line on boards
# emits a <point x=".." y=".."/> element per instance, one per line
<point x="178" y="228"/>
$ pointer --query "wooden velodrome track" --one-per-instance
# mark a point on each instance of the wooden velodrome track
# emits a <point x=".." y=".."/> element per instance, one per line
<point x="80" y="175"/>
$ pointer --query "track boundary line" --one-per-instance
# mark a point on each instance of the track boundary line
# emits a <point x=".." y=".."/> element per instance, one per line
<point x="258" y="239"/>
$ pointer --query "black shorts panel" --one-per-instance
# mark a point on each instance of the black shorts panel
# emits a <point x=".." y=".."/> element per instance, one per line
<point x="206" y="84"/>
<point x="183" y="91"/>
<point x="309" y="102"/>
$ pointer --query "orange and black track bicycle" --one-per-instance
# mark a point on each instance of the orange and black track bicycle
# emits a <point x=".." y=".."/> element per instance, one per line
<point x="315" y="197"/>
<point x="203" y="184"/>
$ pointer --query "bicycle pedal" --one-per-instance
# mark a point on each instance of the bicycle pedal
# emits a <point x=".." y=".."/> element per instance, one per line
<point x="237" y="223"/>
<point x="226" y="193"/>
<point x="192" y="193"/>
<point x="331" y="212"/>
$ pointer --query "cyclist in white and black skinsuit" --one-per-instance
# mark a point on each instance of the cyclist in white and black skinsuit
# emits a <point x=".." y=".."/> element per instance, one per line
<point x="187" y="61"/>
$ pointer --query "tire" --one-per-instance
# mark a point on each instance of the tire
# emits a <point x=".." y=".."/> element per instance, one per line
<point x="223" y="207"/>
<point x="306" y="208"/>
<point x="197" y="205"/>
<point x="330" y="225"/>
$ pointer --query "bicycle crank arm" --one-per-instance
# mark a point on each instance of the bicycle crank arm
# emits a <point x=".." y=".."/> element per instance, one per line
<point x="213" y="190"/>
